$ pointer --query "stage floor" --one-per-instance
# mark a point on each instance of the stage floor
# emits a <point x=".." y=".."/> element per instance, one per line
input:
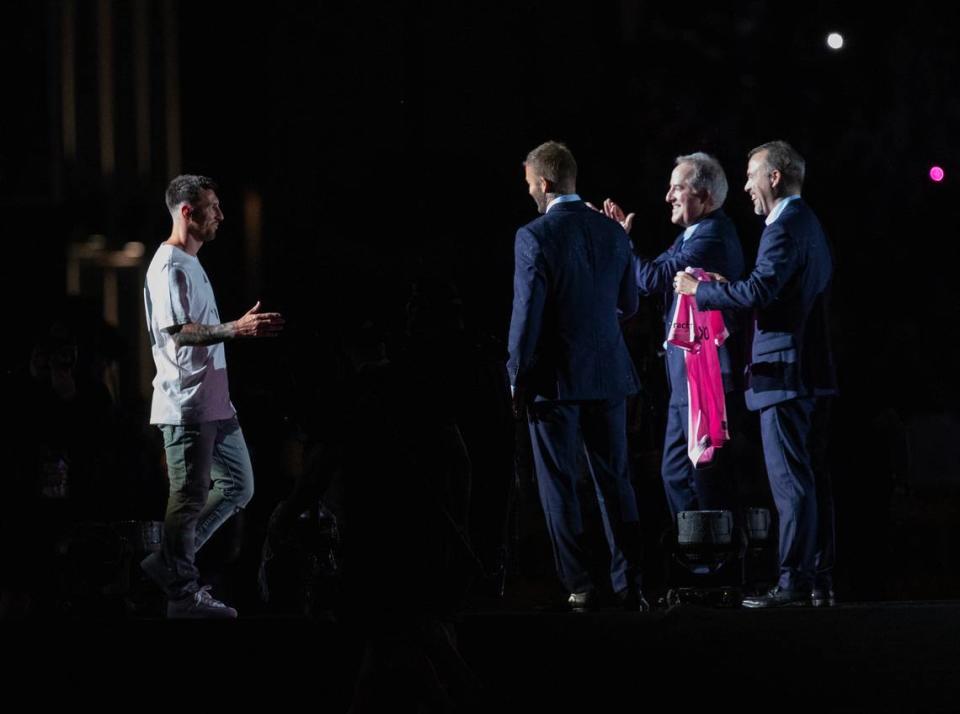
<point x="896" y="656"/>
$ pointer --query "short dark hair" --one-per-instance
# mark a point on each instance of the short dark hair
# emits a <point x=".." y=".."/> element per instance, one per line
<point x="785" y="159"/>
<point x="556" y="164"/>
<point x="187" y="189"/>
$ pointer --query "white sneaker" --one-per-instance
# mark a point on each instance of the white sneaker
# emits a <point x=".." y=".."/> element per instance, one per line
<point x="199" y="605"/>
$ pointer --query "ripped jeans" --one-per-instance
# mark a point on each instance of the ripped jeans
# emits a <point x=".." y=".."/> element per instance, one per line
<point x="211" y="478"/>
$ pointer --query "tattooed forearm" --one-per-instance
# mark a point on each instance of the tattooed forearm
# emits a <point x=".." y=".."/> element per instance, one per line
<point x="191" y="334"/>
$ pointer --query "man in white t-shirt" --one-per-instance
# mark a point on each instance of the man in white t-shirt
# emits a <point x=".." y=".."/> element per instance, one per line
<point x="207" y="461"/>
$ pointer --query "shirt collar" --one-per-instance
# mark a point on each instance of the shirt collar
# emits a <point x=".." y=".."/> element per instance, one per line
<point x="775" y="213"/>
<point x="565" y="198"/>
<point x="690" y="230"/>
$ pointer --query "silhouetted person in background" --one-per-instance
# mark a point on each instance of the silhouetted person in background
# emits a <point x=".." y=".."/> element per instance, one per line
<point x="61" y="470"/>
<point x="407" y="558"/>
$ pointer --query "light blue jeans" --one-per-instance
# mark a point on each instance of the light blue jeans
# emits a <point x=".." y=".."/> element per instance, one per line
<point x="211" y="478"/>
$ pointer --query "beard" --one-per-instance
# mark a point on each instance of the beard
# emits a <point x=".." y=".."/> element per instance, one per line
<point x="207" y="232"/>
<point x="541" y="200"/>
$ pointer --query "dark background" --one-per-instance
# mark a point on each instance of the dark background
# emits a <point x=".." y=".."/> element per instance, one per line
<point x="386" y="140"/>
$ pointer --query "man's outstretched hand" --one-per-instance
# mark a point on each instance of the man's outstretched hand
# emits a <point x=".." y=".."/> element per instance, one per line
<point x="259" y="324"/>
<point x="612" y="210"/>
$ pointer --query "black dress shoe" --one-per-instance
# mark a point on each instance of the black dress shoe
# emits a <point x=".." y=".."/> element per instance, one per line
<point x="779" y="597"/>
<point x="582" y="602"/>
<point x="823" y="597"/>
<point x="632" y="600"/>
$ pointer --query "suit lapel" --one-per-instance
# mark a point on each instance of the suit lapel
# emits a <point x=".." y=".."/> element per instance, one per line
<point x="670" y="298"/>
<point x="677" y="244"/>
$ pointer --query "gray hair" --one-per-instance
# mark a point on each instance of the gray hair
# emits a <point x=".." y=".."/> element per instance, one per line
<point x="785" y="159"/>
<point x="187" y="189"/>
<point x="707" y="176"/>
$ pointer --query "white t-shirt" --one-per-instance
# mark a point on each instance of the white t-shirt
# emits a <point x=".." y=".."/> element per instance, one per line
<point x="191" y="383"/>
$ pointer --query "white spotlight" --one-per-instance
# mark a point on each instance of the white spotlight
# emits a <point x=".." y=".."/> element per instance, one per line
<point x="834" y="40"/>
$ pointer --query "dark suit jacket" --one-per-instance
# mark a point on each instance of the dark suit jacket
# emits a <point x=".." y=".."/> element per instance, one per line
<point x="788" y="290"/>
<point x="715" y="247"/>
<point x="574" y="270"/>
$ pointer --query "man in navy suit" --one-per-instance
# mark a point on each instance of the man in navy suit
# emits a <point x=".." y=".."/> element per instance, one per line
<point x="570" y="370"/>
<point x="698" y="188"/>
<point x="791" y="372"/>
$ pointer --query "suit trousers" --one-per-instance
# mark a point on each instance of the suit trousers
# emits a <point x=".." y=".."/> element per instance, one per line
<point x="794" y="449"/>
<point x="688" y="488"/>
<point x="558" y="432"/>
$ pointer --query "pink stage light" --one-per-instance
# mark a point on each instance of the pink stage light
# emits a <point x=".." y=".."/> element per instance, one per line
<point x="936" y="174"/>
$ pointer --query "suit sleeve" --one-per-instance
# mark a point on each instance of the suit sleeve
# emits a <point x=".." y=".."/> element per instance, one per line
<point x="628" y="299"/>
<point x="777" y="262"/>
<point x="529" y="298"/>
<point x="655" y="276"/>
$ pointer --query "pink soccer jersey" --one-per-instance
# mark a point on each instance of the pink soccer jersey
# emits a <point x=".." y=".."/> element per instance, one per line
<point x="699" y="334"/>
